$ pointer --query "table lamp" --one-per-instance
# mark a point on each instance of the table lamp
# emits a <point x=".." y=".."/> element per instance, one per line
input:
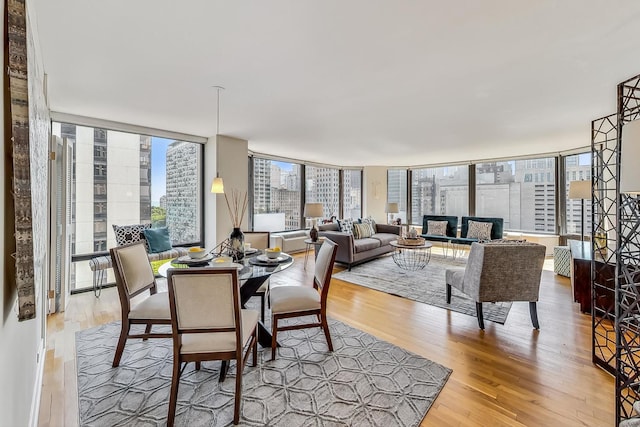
<point x="392" y="208"/>
<point x="313" y="211"/>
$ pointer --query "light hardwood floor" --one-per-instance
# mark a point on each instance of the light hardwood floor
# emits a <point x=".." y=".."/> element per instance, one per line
<point x="508" y="375"/>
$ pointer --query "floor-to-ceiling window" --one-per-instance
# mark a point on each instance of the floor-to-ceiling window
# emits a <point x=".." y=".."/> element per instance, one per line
<point x="276" y="195"/>
<point x="439" y="191"/>
<point x="122" y="178"/>
<point x="577" y="168"/>
<point x="322" y="185"/>
<point x="352" y="193"/>
<point x="397" y="193"/>
<point x="520" y="191"/>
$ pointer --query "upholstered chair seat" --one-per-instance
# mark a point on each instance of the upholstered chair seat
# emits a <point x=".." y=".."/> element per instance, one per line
<point x="155" y="306"/>
<point x="220" y="341"/>
<point x="286" y="299"/>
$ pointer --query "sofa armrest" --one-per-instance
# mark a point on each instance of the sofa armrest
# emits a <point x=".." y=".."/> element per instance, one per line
<point x="388" y="228"/>
<point x="345" y="244"/>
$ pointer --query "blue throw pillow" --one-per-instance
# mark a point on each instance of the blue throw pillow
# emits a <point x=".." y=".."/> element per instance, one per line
<point x="158" y="239"/>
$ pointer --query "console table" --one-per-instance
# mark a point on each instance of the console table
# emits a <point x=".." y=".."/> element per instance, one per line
<point x="581" y="284"/>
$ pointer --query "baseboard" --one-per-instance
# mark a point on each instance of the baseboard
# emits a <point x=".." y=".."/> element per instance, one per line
<point x="37" y="388"/>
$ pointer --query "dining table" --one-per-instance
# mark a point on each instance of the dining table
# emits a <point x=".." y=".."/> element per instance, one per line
<point x="253" y="270"/>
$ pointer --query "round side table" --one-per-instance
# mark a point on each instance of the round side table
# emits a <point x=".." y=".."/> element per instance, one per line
<point x="308" y="245"/>
<point x="411" y="257"/>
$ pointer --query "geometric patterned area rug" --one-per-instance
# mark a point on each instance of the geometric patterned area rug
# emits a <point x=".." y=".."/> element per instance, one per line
<point x="427" y="286"/>
<point x="364" y="382"/>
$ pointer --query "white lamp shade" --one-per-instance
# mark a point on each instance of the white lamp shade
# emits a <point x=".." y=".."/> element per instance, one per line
<point x="392" y="208"/>
<point x="580" y="190"/>
<point x="629" y="156"/>
<point x="313" y="210"/>
<point x="217" y="186"/>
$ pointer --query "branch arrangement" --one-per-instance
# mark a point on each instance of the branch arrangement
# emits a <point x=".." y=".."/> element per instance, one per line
<point x="239" y="202"/>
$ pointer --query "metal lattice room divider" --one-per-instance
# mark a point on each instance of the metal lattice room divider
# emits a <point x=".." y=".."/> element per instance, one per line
<point x="604" y="149"/>
<point x="627" y="323"/>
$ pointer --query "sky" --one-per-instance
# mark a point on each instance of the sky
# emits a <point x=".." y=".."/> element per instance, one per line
<point x="158" y="168"/>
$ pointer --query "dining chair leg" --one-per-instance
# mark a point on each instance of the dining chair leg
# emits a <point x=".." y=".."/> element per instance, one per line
<point x="325" y="328"/>
<point x="124" y="333"/>
<point x="198" y="365"/>
<point x="173" y="394"/>
<point x="255" y="348"/>
<point x="147" y="330"/>
<point x="236" y="406"/>
<point x="274" y="333"/>
<point x="262" y="302"/>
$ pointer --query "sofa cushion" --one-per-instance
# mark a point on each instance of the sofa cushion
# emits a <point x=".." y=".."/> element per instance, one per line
<point x="437" y="228"/>
<point x="157" y="239"/>
<point x="371" y="222"/>
<point x="346" y="225"/>
<point x="126" y="234"/>
<point x="361" y="231"/>
<point x="479" y="230"/>
<point x="385" y="238"/>
<point x="362" y="245"/>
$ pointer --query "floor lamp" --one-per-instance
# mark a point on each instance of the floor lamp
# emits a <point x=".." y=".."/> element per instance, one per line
<point x="580" y="190"/>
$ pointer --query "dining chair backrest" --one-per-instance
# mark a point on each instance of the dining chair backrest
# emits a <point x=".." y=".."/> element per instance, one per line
<point x="132" y="269"/>
<point x="324" y="265"/>
<point x="204" y="299"/>
<point x="258" y="239"/>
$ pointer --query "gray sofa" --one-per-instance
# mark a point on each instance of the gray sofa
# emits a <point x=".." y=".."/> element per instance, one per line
<point x="353" y="251"/>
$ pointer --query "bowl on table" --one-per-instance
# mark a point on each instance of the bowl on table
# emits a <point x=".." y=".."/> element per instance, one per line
<point x="197" y="253"/>
<point x="272" y="253"/>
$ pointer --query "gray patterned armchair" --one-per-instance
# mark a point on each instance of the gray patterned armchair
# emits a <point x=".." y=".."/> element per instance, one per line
<point x="501" y="271"/>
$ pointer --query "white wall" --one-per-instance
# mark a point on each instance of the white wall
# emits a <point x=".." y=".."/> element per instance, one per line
<point x="233" y="166"/>
<point x="20" y="342"/>
<point x="374" y="187"/>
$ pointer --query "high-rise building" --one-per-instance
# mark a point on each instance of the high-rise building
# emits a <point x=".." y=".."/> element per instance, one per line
<point x="182" y="192"/>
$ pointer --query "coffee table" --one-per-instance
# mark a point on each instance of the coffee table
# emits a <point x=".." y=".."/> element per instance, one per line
<point x="411" y="257"/>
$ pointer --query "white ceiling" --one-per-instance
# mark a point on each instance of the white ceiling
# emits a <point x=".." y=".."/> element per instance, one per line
<point x="356" y="82"/>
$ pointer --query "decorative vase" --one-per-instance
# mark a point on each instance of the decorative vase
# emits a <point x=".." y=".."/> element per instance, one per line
<point x="313" y="233"/>
<point x="236" y="244"/>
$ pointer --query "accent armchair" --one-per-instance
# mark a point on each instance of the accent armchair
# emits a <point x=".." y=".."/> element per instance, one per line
<point x="501" y="271"/>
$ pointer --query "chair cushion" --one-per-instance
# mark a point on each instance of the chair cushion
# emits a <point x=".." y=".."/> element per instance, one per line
<point x="157" y="239"/>
<point x="385" y="238"/>
<point x="363" y="245"/>
<point x="220" y="341"/>
<point x="288" y="299"/>
<point x="156" y="306"/>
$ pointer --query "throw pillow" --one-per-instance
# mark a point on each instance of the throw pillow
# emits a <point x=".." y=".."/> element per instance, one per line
<point x="126" y="234"/>
<point x="361" y="231"/>
<point x="368" y="220"/>
<point x="479" y="230"/>
<point x="346" y="225"/>
<point x="437" y="228"/>
<point x="158" y="239"/>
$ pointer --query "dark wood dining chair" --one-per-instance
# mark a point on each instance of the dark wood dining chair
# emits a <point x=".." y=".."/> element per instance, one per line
<point x="134" y="277"/>
<point x="208" y="323"/>
<point x="297" y="301"/>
